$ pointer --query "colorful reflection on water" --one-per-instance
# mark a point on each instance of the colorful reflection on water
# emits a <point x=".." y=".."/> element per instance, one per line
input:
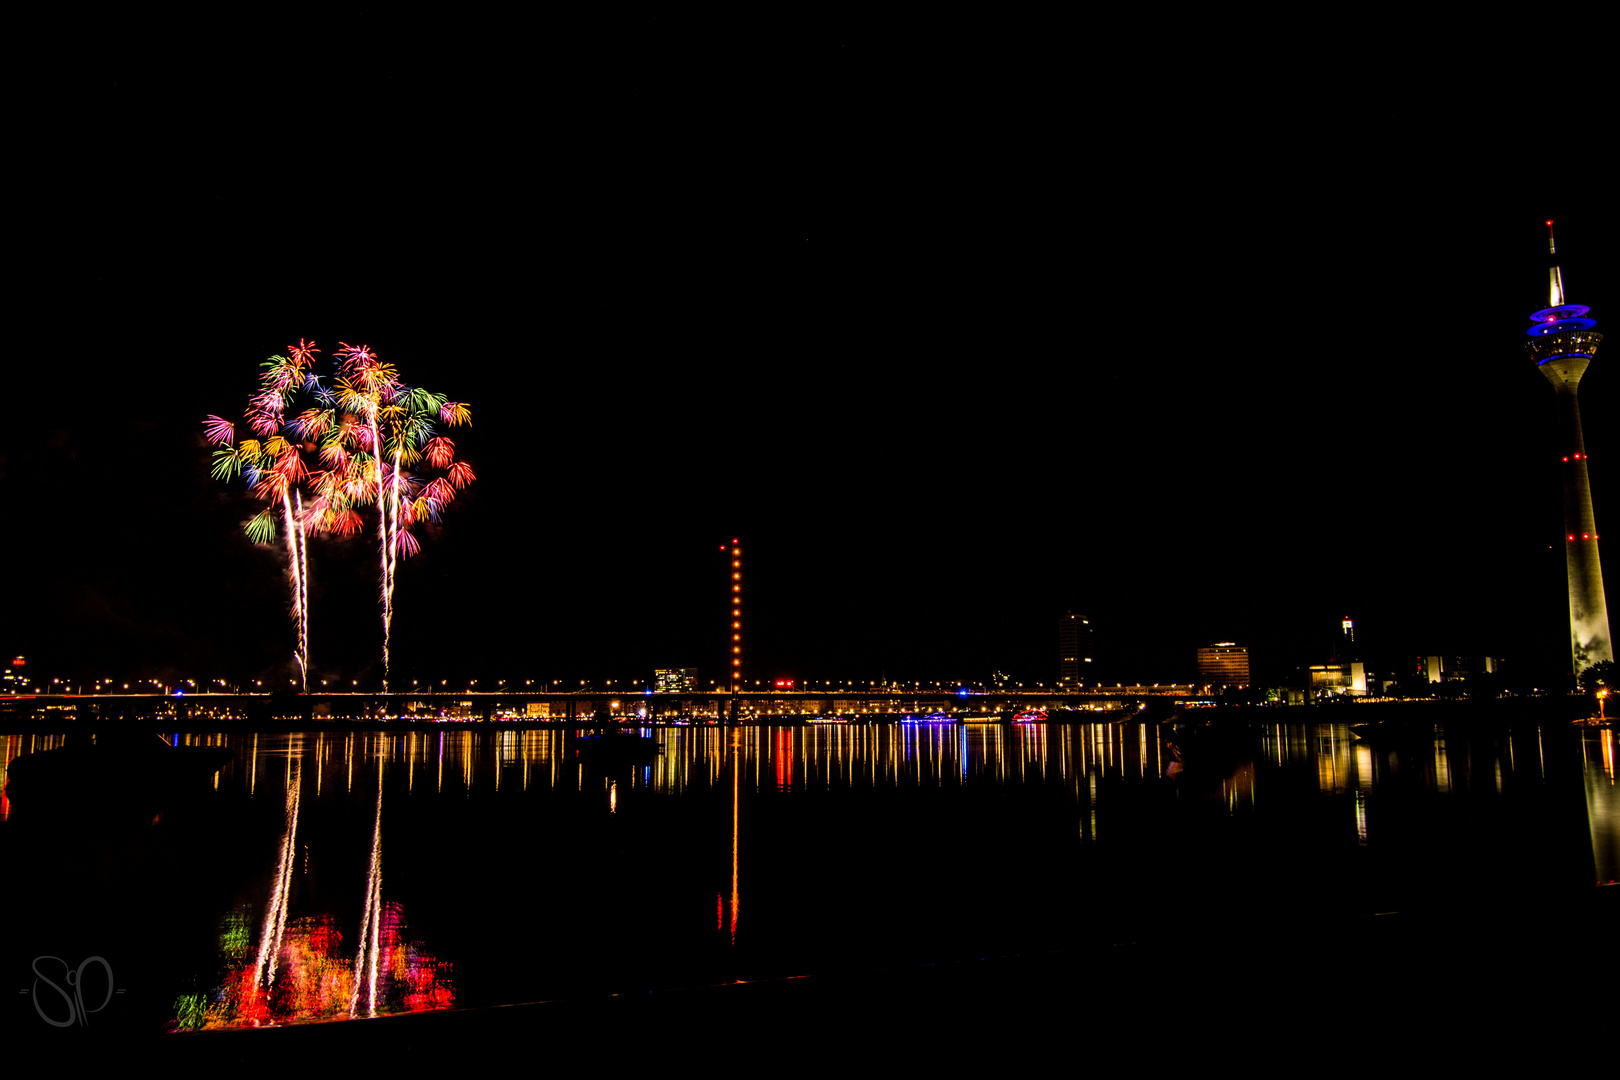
<point x="313" y="975"/>
<point x="278" y="968"/>
<point x="369" y="873"/>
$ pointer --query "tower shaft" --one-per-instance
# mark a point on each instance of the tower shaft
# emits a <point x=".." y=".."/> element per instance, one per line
<point x="1590" y="640"/>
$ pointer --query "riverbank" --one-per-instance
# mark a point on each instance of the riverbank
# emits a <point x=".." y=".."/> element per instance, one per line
<point x="1516" y="978"/>
<point x="1467" y="713"/>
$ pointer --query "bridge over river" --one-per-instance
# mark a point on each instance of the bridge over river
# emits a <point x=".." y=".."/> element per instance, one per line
<point x="786" y="706"/>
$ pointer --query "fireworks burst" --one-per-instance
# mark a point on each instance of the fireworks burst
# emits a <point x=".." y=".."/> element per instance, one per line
<point x="391" y="429"/>
<point x="367" y="430"/>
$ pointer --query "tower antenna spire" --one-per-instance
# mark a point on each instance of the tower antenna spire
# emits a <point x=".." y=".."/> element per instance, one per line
<point x="1555" y="283"/>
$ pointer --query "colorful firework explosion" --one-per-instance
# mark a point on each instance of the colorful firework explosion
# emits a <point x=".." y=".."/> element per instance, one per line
<point x="367" y="430"/>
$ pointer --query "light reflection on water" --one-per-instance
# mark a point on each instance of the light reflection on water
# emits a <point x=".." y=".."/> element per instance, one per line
<point x="763" y="849"/>
<point x="1602" y="803"/>
<point x="17" y="745"/>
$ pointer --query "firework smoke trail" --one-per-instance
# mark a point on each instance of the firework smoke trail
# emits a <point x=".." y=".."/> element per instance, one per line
<point x="303" y="592"/>
<point x="273" y="467"/>
<point x="390" y="427"/>
<point x="371" y="918"/>
<point x="382" y="540"/>
<point x="275" y="916"/>
<point x="302" y="354"/>
<point x="273" y="470"/>
<point x="386" y="531"/>
<point x="296" y="564"/>
<point x="365" y="383"/>
<point x="391" y="557"/>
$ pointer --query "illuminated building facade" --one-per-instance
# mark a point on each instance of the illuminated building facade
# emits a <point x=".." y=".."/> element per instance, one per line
<point x="675" y="680"/>
<point x="14" y="680"/>
<point x="1562" y="345"/>
<point x="1223" y="664"/>
<point x="1438" y="669"/>
<point x="1074" y="645"/>
<point x="1334" y="678"/>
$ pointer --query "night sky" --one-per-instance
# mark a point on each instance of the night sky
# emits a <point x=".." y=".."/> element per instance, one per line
<point x="955" y="328"/>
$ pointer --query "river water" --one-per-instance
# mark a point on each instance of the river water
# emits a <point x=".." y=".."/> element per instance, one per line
<point x="326" y="875"/>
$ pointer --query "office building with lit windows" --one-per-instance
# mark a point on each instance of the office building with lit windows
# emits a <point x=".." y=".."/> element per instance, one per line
<point x="1074" y="650"/>
<point x="675" y="680"/>
<point x="1223" y="664"/>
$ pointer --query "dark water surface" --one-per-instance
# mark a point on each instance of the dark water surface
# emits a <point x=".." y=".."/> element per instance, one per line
<point x="330" y="874"/>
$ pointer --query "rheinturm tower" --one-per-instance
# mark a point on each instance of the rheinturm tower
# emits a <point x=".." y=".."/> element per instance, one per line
<point x="1562" y="343"/>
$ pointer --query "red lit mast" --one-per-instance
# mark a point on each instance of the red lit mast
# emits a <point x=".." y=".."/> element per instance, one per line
<point x="736" y="614"/>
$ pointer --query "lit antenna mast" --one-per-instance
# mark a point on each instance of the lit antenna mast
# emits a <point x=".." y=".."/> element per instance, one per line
<point x="736" y="613"/>
<point x="1555" y="287"/>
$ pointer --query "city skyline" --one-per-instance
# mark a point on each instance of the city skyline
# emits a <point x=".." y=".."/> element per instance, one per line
<point x="946" y="595"/>
<point x="940" y="397"/>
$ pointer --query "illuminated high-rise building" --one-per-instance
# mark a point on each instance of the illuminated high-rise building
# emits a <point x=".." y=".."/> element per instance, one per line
<point x="1074" y="647"/>
<point x="1562" y="344"/>
<point x="1348" y="655"/>
<point x="1224" y="663"/>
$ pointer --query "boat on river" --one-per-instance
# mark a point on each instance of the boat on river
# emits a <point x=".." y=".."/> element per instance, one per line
<point x="931" y="718"/>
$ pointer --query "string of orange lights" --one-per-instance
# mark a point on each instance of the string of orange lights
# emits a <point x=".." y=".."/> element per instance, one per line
<point x="736" y="613"/>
